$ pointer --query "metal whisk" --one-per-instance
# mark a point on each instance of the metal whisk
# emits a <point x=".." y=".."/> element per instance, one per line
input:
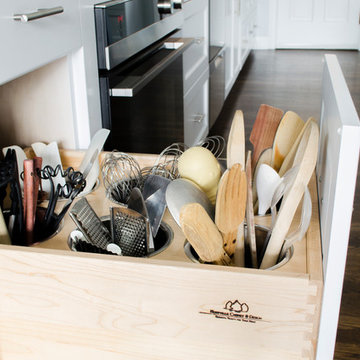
<point x="120" y="174"/>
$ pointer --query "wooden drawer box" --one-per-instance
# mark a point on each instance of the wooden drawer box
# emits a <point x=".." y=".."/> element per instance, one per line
<point x="163" y="307"/>
<point x="58" y="304"/>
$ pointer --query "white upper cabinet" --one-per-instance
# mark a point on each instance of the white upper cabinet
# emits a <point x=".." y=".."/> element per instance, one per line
<point x="27" y="45"/>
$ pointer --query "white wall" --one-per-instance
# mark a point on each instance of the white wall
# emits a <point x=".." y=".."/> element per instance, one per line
<point x="38" y="107"/>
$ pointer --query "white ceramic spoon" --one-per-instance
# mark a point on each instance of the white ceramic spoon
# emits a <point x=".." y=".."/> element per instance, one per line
<point x="267" y="180"/>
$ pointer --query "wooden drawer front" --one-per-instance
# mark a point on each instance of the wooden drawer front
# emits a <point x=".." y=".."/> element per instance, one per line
<point x="196" y="58"/>
<point x="196" y="111"/>
<point x="29" y="45"/>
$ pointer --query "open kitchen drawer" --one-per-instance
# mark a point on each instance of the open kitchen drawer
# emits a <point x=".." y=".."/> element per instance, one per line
<point x="58" y="304"/>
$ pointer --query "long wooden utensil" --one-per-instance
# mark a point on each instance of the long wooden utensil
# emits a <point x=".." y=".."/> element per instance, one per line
<point x="289" y="129"/>
<point x="235" y="151"/>
<point x="250" y="222"/>
<point x="264" y="130"/>
<point x="230" y="205"/>
<point x="305" y="161"/>
<point x="202" y="234"/>
<point x="236" y="155"/>
<point x="288" y="161"/>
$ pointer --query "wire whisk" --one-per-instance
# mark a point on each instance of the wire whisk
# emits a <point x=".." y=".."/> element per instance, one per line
<point x="216" y="144"/>
<point x="120" y="174"/>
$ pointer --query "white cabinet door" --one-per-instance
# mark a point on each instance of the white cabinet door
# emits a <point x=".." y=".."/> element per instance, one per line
<point x="336" y="175"/>
<point x="26" y="46"/>
<point x="196" y="111"/>
<point x="327" y="24"/>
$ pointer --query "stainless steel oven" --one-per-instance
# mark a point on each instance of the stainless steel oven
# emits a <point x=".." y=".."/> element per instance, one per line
<point x="140" y="72"/>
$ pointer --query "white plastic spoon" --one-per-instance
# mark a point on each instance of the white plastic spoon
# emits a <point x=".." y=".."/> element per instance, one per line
<point x="267" y="180"/>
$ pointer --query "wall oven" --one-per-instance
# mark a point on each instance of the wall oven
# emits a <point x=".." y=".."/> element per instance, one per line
<point x="140" y="73"/>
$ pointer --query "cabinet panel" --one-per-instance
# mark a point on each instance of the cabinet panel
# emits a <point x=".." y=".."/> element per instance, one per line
<point x="29" y="45"/>
<point x="196" y="58"/>
<point x="196" y="111"/>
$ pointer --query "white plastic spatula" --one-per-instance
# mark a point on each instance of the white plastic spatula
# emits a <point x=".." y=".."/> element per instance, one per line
<point x="97" y="143"/>
<point x="51" y="156"/>
<point x="267" y="180"/>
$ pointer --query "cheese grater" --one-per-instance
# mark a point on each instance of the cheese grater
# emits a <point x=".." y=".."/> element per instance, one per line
<point x="130" y="230"/>
<point x="85" y="218"/>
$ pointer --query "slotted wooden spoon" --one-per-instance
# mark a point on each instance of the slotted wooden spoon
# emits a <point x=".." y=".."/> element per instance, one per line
<point x="235" y="151"/>
<point x="305" y="161"/>
<point x="264" y="130"/>
<point x="202" y="234"/>
<point x="289" y="129"/>
<point x="230" y="205"/>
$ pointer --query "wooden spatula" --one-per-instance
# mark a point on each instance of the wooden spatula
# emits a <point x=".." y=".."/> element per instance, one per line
<point x="289" y="129"/>
<point x="235" y="151"/>
<point x="287" y="163"/>
<point x="304" y="161"/>
<point x="250" y="222"/>
<point x="202" y="234"/>
<point x="264" y="129"/>
<point x="230" y="205"/>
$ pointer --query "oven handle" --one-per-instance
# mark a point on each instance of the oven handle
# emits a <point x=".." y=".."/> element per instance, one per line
<point x="133" y="84"/>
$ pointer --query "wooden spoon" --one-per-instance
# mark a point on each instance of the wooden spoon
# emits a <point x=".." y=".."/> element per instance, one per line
<point x="250" y="236"/>
<point x="235" y="150"/>
<point x="287" y="163"/>
<point x="202" y="234"/>
<point x="289" y="129"/>
<point x="305" y="161"/>
<point x="264" y="130"/>
<point x="230" y="205"/>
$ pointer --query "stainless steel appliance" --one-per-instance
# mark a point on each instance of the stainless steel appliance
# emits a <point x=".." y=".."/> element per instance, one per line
<point x="140" y="72"/>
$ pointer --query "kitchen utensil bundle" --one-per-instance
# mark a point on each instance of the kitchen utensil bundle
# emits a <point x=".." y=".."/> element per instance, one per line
<point x="279" y="141"/>
<point x="120" y="174"/>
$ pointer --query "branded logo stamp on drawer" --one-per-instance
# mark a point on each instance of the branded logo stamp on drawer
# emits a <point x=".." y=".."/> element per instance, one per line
<point x="233" y="310"/>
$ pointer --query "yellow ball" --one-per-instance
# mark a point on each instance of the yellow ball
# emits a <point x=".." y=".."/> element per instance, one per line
<point x="199" y="165"/>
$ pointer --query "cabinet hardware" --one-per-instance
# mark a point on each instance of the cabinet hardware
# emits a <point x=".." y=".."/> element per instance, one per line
<point x="40" y="13"/>
<point x="198" y="118"/>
